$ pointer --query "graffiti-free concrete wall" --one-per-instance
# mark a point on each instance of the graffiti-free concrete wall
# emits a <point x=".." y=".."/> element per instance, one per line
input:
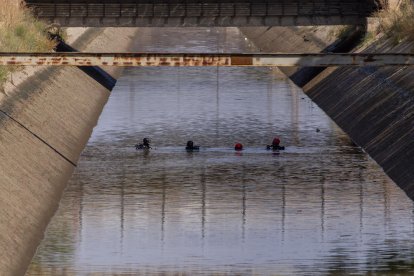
<point x="45" y="122"/>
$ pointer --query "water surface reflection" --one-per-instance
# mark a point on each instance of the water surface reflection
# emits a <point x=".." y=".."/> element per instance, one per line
<point x="320" y="207"/>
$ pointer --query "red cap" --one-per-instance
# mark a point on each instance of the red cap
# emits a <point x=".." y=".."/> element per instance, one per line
<point x="238" y="146"/>
<point x="276" y="141"/>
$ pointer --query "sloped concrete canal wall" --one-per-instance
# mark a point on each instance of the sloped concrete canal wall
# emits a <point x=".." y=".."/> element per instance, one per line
<point x="374" y="106"/>
<point x="45" y="122"/>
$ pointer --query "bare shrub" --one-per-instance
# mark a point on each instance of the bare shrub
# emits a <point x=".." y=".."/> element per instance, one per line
<point x="20" y="31"/>
<point x="398" y="23"/>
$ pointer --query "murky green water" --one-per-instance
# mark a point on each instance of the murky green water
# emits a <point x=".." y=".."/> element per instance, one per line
<point x="321" y="207"/>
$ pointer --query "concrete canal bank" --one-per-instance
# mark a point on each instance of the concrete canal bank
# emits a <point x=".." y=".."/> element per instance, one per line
<point x="374" y="106"/>
<point x="46" y="118"/>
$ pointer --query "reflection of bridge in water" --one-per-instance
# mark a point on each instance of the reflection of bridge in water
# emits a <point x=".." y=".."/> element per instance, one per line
<point x="207" y="13"/>
<point x="159" y="206"/>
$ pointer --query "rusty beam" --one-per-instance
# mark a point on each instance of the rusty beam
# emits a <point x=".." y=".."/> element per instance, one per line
<point x="204" y="59"/>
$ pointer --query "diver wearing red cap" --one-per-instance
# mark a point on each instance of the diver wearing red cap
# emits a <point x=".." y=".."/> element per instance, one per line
<point x="238" y="147"/>
<point x="275" y="145"/>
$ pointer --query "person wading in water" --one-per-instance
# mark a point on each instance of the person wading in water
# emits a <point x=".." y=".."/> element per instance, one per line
<point x="190" y="146"/>
<point x="275" y="145"/>
<point x="145" y="144"/>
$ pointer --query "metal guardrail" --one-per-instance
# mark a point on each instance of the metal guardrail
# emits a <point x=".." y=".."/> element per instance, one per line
<point x="204" y="59"/>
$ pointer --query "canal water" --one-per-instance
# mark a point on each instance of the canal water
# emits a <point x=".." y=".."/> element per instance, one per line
<point x="321" y="207"/>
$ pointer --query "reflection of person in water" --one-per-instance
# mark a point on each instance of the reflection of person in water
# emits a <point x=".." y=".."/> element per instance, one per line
<point x="190" y="146"/>
<point x="275" y="145"/>
<point x="145" y="144"/>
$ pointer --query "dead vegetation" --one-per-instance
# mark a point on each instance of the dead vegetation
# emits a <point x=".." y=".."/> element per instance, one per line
<point x="397" y="23"/>
<point x="20" y="32"/>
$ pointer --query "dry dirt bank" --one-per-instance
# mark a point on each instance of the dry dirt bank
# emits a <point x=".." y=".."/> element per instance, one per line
<point x="46" y="118"/>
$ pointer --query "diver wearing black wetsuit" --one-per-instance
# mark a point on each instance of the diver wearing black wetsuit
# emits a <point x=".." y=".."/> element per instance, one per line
<point x="190" y="146"/>
<point x="275" y="145"/>
<point x="145" y="144"/>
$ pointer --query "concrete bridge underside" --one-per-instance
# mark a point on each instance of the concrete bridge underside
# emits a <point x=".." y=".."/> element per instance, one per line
<point x="202" y="13"/>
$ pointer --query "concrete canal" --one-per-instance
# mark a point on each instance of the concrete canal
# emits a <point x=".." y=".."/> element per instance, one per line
<point x="321" y="207"/>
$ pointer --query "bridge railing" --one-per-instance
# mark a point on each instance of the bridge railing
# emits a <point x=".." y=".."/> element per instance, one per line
<point x="202" y="9"/>
<point x="293" y="8"/>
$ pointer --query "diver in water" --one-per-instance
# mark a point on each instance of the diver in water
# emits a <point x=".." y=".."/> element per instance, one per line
<point x="145" y="144"/>
<point x="275" y="145"/>
<point x="190" y="146"/>
<point x="238" y="147"/>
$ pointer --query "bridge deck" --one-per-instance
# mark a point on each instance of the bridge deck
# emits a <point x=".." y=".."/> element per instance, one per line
<point x="203" y="59"/>
<point x="110" y="13"/>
